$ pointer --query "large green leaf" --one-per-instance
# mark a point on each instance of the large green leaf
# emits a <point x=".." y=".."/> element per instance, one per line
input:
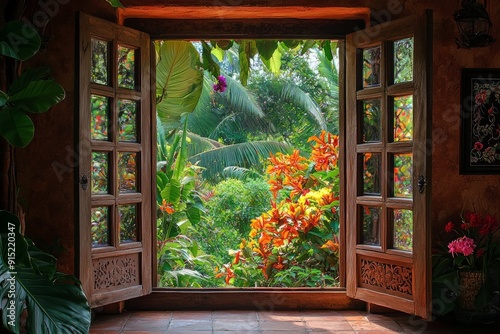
<point x="179" y="79"/>
<point x="172" y="191"/>
<point x="246" y="50"/>
<point x="16" y="127"/>
<point x="208" y="62"/>
<point x="28" y="76"/>
<point x="55" y="302"/>
<point x="273" y="64"/>
<point x="19" y="40"/>
<point x="266" y="48"/>
<point x="38" y="96"/>
<point x="52" y="307"/>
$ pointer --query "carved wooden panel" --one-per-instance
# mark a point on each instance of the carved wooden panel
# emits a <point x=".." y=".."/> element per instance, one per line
<point x="392" y="277"/>
<point x="120" y="272"/>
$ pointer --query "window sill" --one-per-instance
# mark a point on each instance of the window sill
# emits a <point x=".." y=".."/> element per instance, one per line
<point x="262" y="299"/>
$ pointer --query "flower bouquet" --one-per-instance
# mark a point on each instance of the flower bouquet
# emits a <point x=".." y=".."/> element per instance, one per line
<point x="475" y="253"/>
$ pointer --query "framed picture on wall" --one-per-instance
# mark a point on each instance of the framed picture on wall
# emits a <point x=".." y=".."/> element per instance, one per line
<point x="480" y="121"/>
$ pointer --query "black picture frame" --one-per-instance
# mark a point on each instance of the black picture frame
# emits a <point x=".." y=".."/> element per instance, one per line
<point x="480" y="121"/>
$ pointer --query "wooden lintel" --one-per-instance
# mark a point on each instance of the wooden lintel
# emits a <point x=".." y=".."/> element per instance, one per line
<point x="241" y="29"/>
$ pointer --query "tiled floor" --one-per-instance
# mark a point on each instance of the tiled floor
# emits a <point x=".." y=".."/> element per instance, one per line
<point x="277" y="322"/>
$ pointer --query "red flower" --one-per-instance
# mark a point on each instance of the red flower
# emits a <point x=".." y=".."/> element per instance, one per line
<point x="478" y="146"/>
<point x="449" y="227"/>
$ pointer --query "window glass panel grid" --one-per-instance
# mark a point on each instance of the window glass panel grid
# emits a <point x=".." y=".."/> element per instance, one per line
<point x="370" y="219"/>
<point x="127" y="120"/>
<point x="372" y="166"/>
<point x="371" y="66"/>
<point x="371" y="120"/>
<point x="403" y="118"/>
<point x="99" y="118"/>
<point x="126" y="67"/>
<point x="99" y="62"/>
<point x="127" y="172"/>
<point x="403" y="60"/>
<point x="100" y="182"/>
<point x="128" y="223"/>
<point x="402" y="229"/>
<point x="100" y="226"/>
<point x="403" y="175"/>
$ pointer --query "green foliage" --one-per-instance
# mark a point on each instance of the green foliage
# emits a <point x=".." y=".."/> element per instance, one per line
<point x="55" y="302"/>
<point x="236" y="203"/>
<point x="180" y="210"/>
<point x="19" y="40"/>
<point x="32" y="92"/>
<point x="296" y="276"/>
<point x="179" y="79"/>
<point x="177" y="259"/>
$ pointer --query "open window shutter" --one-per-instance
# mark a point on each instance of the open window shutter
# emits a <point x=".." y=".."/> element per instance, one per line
<point x="388" y="159"/>
<point x="115" y="172"/>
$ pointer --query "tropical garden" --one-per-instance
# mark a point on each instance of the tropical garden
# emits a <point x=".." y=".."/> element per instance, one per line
<point x="247" y="164"/>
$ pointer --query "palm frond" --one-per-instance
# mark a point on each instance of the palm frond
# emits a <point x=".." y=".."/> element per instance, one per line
<point x="330" y="74"/>
<point x="249" y="154"/>
<point x="294" y="94"/>
<point x="240" y="173"/>
<point x="204" y="117"/>
<point x="241" y="99"/>
<point x="198" y="144"/>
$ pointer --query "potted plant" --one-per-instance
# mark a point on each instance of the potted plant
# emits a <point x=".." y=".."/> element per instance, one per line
<point x="472" y="260"/>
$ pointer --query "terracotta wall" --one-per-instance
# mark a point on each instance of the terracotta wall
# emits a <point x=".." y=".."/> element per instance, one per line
<point x="45" y="168"/>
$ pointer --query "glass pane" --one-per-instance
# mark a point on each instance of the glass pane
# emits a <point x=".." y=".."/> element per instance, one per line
<point x="100" y="173"/>
<point x="99" y="119"/>
<point x="403" y="168"/>
<point x="403" y="229"/>
<point x="100" y="226"/>
<point x="371" y="225"/>
<point x="99" y="70"/>
<point x="127" y="120"/>
<point x="371" y="173"/>
<point x="128" y="223"/>
<point x="126" y="67"/>
<point x="371" y="121"/>
<point x="403" y="118"/>
<point x="403" y="60"/>
<point x="127" y="172"/>
<point x="371" y="67"/>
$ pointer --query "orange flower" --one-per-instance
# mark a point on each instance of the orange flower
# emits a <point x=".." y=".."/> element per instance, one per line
<point x="167" y="207"/>
<point x="326" y="151"/>
<point x="228" y="273"/>
<point x="331" y="246"/>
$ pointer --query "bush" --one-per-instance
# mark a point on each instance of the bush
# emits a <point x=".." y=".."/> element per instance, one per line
<point x="235" y="203"/>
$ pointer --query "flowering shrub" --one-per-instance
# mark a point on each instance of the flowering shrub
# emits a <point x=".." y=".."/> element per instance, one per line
<point x="477" y="245"/>
<point x="299" y="235"/>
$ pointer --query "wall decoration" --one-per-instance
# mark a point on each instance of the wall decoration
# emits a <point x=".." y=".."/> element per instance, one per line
<point x="480" y="121"/>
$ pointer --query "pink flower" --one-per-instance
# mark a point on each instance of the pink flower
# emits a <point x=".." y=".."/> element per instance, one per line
<point x="463" y="245"/>
<point x="221" y="84"/>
